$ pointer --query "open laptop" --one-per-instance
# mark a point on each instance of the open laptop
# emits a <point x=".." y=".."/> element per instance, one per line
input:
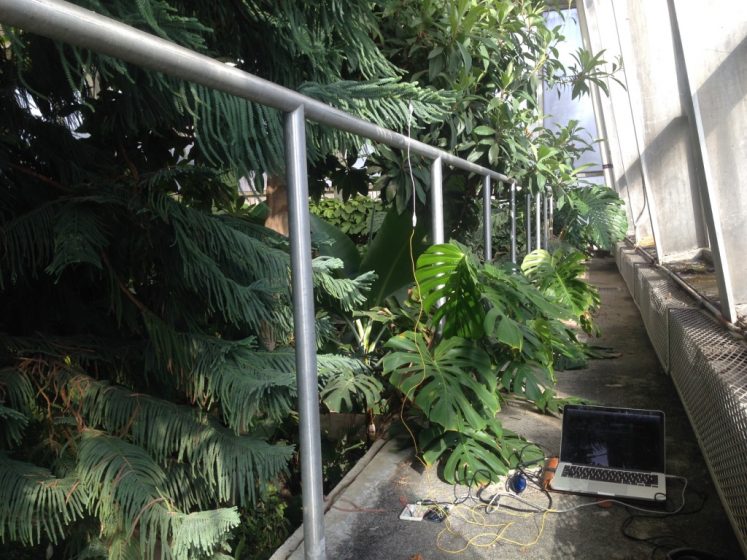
<point x="615" y="452"/>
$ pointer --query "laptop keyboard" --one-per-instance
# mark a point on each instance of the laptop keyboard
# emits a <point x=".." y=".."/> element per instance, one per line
<point x="611" y="475"/>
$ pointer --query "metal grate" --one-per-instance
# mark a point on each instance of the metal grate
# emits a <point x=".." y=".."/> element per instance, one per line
<point x="709" y="369"/>
<point x="657" y="293"/>
<point x="628" y="263"/>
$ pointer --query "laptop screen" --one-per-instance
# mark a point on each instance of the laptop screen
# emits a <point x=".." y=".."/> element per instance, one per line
<point x="613" y="437"/>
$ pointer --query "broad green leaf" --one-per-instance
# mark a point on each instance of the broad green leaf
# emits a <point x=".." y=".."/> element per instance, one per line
<point x="453" y="384"/>
<point x="335" y="243"/>
<point x="484" y="130"/>
<point x="343" y="391"/>
<point x="389" y="255"/>
<point x="509" y="333"/>
<point x="449" y="287"/>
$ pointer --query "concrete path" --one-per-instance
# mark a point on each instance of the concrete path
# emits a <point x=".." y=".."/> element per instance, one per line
<point x="364" y="524"/>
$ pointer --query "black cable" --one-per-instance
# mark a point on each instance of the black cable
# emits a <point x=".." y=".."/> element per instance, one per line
<point x="659" y="542"/>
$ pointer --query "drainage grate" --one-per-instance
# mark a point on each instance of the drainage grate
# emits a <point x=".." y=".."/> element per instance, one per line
<point x="709" y="369"/>
<point x="657" y="293"/>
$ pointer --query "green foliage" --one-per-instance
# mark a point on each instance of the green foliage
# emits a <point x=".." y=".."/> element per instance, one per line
<point x="359" y="217"/>
<point x="500" y="334"/>
<point x="263" y="528"/>
<point x="558" y="276"/>
<point x="147" y="369"/>
<point x="493" y="57"/>
<point x="452" y="384"/>
<point x="390" y="255"/>
<point x="591" y="216"/>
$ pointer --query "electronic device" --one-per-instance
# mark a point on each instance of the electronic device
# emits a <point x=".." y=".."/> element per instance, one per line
<point x="612" y="452"/>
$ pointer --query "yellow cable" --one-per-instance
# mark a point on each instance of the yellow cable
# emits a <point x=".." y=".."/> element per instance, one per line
<point x="422" y="358"/>
<point x="488" y="539"/>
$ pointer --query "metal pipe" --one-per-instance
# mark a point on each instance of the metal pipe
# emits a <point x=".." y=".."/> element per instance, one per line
<point x="528" y="221"/>
<point x="538" y="218"/>
<point x="706" y="304"/>
<point x="546" y="228"/>
<point x="75" y="25"/>
<point x="552" y="212"/>
<point x="437" y="201"/>
<point x="513" y="222"/>
<point x="305" y="335"/>
<point x="487" y="218"/>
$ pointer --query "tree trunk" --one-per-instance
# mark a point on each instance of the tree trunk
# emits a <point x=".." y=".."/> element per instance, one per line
<point x="276" y="197"/>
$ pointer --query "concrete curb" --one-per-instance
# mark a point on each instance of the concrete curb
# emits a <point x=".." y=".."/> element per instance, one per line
<point x="296" y="539"/>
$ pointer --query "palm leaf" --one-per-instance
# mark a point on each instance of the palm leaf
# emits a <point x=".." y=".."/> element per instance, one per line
<point x="592" y="215"/>
<point x="125" y="493"/>
<point x="229" y="464"/>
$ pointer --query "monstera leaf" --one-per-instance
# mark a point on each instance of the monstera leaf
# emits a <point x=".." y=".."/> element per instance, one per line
<point x="348" y="388"/>
<point x="448" y="283"/>
<point x="592" y="215"/>
<point x="476" y="456"/>
<point x="453" y="384"/>
<point x="558" y="276"/>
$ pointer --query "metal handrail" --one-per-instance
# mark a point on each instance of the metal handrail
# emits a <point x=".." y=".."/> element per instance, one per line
<point x="78" y="26"/>
<point x="72" y="24"/>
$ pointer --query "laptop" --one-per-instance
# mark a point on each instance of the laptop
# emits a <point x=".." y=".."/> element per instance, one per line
<point x="612" y="452"/>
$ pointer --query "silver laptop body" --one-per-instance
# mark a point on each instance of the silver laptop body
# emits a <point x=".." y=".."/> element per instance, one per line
<point x="612" y="452"/>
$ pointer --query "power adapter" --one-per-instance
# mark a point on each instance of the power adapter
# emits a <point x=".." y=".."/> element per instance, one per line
<point x="423" y="512"/>
<point x="413" y="512"/>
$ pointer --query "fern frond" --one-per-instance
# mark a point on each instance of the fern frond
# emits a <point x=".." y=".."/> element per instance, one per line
<point x="12" y="424"/>
<point x="26" y="244"/>
<point x="36" y="504"/>
<point x="240" y="304"/>
<point x="200" y="533"/>
<point x="125" y="493"/>
<point x="15" y="389"/>
<point x="236" y="273"/>
<point x="78" y="238"/>
<point x="230" y="464"/>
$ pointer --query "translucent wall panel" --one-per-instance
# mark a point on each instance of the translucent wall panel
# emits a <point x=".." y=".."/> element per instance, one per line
<point x="714" y="46"/>
<point x="686" y="114"/>
<point x="655" y="81"/>
<point x="597" y="21"/>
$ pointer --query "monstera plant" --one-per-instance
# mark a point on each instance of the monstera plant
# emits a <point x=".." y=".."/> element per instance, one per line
<point x="489" y="333"/>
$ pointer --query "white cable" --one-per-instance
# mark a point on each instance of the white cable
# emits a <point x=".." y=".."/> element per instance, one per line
<point x="410" y="110"/>
<point x="496" y="499"/>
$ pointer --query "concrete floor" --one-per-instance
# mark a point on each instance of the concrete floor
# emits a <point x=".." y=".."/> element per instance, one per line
<point x="363" y="523"/>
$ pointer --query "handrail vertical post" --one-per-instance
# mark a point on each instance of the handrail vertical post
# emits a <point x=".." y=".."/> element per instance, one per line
<point x="513" y="222"/>
<point x="551" y="204"/>
<point x="305" y="335"/>
<point x="437" y="201"/>
<point x="528" y="221"/>
<point x="487" y="218"/>
<point x="546" y="230"/>
<point x="538" y="218"/>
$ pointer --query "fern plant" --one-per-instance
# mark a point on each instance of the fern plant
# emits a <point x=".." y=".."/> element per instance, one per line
<point x="147" y="371"/>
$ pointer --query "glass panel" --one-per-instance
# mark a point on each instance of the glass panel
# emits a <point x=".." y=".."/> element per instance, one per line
<point x="558" y="106"/>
